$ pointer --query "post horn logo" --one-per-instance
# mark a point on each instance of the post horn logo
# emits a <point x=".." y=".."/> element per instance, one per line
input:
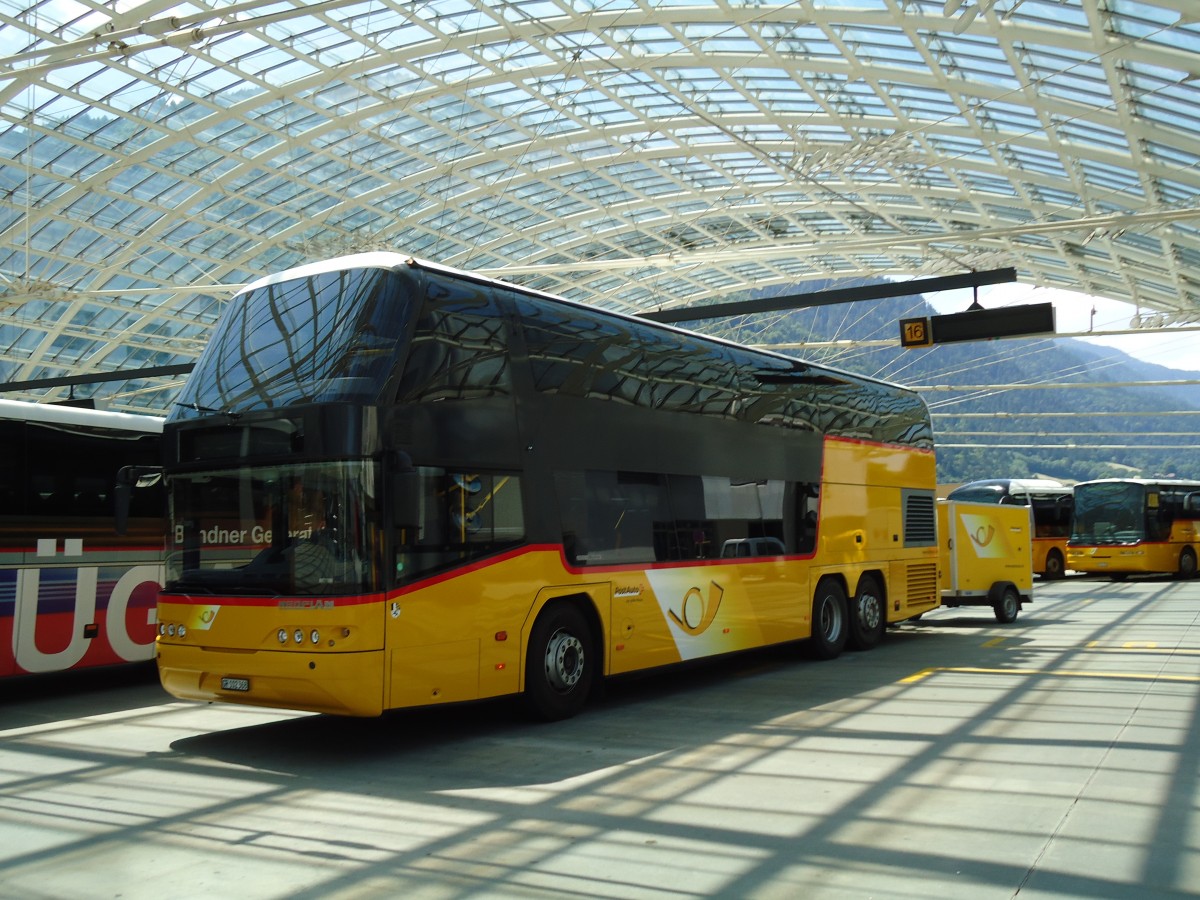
<point x="697" y="613"/>
<point x="983" y="535"/>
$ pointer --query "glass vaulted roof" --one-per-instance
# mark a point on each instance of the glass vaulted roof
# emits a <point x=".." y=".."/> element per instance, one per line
<point x="626" y="153"/>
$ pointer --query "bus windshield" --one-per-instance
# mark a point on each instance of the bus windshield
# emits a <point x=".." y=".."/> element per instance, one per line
<point x="274" y="530"/>
<point x="332" y="336"/>
<point x="1109" y="512"/>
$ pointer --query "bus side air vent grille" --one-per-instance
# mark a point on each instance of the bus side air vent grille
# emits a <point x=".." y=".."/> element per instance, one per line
<point x="922" y="584"/>
<point x="920" y="519"/>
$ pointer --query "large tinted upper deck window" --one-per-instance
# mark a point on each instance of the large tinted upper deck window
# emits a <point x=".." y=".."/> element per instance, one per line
<point x="459" y="348"/>
<point x="580" y="353"/>
<point x="328" y="337"/>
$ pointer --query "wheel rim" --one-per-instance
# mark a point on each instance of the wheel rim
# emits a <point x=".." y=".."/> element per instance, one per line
<point x="831" y="619"/>
<point x="1054" y="565"/>
<point x="1187" y="564"/>
<point x="870" y="611"/>
<point x="564" y="661"/>
<point x="1010" y="604"/>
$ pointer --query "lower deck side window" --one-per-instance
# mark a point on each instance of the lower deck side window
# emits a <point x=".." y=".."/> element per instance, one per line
<point x="611" y="517"/>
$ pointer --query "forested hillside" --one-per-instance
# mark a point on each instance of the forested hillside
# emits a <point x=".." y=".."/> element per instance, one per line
<point x="1063" y="432"/>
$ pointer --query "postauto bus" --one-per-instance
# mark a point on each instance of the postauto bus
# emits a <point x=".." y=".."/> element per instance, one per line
<point x="395" y="484"/>
<point x="1127" y="526"/>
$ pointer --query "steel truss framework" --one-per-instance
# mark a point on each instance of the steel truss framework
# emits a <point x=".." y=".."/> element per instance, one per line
<point x="633" y="155"/>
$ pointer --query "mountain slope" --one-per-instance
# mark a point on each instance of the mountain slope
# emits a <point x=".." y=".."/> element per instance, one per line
<point x="998" y="428"/>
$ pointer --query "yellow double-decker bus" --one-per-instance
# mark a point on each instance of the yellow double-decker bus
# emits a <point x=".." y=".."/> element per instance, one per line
<point x="1126" y="526"/>
<point x="396" y="484"/>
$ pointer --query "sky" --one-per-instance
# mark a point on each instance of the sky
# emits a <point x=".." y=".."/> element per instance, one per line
<point x="1073" y="314"/>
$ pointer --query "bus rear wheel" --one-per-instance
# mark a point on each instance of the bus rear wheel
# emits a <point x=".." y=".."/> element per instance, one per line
<point x="1187" y="563"/>
<point x="828" y="621"/>
<point x="868" y="616"/>
<point x="1055" y="568"/>
<point x="560" y="664"/>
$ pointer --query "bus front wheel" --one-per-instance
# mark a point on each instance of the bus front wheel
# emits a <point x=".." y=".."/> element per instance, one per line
<point x="828" y="621"/>
<point x="868" y="615"/>
<point x="561" y="663"/>
<point x="1055" y="568"/>
<point x="1187" y="563"/>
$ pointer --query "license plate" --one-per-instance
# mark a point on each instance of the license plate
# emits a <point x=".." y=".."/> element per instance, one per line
<point x="235" y="684"/>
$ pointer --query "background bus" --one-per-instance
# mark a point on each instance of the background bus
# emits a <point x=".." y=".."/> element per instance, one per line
<point x="1127" y="526"/>
<point x="1050" y="503"/>
<point x="397" y="484"/>
<point x="73" y="593"/>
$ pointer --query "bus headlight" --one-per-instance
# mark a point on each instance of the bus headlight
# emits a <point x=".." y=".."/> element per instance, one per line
<point x="315" y="636"/>
<point x="299" y="636"/>
<point x="282" y="635"/>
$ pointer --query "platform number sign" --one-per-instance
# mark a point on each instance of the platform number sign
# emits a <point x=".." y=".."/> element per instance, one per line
<point x="915" y="332"/>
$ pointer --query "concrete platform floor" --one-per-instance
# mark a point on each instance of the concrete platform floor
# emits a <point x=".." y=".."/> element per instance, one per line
<point x="1056" y="757"/>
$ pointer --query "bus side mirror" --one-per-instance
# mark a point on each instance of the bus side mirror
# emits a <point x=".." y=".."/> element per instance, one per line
<point x="128" y="478"/>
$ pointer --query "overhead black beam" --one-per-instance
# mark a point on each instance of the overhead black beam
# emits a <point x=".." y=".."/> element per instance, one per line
<point x="96" y="377"/>
<point x="986" y="324"/>
<point x="828" y="298"/>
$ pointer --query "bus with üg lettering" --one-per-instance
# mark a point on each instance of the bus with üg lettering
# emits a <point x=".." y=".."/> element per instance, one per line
<point x="1050" y="504"/>
<point x="73" y="592"/>
<point x="396" y="484"/>
<point x="1131" y="526"/>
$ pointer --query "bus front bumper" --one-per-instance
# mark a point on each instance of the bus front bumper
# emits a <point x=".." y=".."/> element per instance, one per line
<point x="347" y="684"/>
<point x="1105" y="558"/>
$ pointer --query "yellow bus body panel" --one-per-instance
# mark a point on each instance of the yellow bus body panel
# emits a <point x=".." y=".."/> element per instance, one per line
<point x="1042" y="548"/>
<point x="463" y="635"/>
<point x="339" y="672"/>
<point x="1145" y="557"/>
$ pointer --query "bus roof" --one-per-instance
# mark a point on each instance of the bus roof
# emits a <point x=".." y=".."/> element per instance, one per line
<point x="78" y="416"/>
<point x="1166" y="482"/>
<point x="383" y="259"/>
<point x="1018" y="485"/>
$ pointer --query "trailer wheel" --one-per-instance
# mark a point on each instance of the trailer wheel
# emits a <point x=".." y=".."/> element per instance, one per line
<point x="828" y="621"/>
<point x="1008" y="606"/>
<point x="1187" y="563"/>
<point x="560" y="663"/>
<point x="868" y="616"/>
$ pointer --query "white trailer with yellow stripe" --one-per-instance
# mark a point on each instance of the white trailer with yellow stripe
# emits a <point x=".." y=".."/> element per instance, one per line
<point x="986" y="556"/>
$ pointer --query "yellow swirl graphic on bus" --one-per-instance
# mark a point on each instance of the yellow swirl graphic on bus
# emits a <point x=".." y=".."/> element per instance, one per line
<point x="695" y="617"/>
<point x="202" y="617"/>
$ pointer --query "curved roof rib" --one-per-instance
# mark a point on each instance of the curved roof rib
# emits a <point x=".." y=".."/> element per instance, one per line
<point x="627" y="154"/>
